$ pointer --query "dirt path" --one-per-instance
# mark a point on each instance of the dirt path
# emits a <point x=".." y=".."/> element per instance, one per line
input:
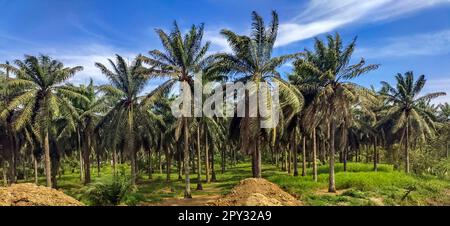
<point x="197" y="200"/>
<point x="249" y="192"/>
<point x="209" y="195"/>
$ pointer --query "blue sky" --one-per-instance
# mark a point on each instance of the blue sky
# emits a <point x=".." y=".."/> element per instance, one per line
<point x="401" y="35"/>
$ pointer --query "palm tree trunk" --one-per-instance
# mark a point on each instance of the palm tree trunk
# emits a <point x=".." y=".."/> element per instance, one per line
<point x="86" y="159"/>
<point x="81" y="155"/>
<point x="54" y="170"/>
<point x="213" y="170"/>
<point x="168" y="164"/>
<point x="272" y="154"/>
<point x="206" y="157"/>
<point x="187" y="192"/>
<point x="159" y="162"/>
<point x="294" y="150"/>
<point x="114" y="159"/>
<point x="331" y="181"/>
<point x="48" y="166"/>
<point x="346" y="151"/>
<point x="224" y="160"/>
<point x="36" y="181"/>
<point x="179" y="162"/>
<point x="99" y="164"/>
<point x="277" y="157"/>
<point x="366" y="146"/>
<point x="130" y="145"/>
<point x="150" y="168"/>
<point x="304" y="157"/>
<point x="234" y="156"/>
<point x="5" y="176"/>
<point x="259" y="160"/>
<point x="193" y="152"/>
<point x="407" y="148"/>
<point x="357" y="154"/>
<point x="199" y="162"/>
<point x="289" y="151"/>
<point x="375" y="155"/>
<point x="256" y="163"/>
<point x="324" y="150"/>
<point x="314" y="155"/>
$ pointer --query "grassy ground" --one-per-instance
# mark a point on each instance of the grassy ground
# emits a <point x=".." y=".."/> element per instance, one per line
<point x="359" y="186"/>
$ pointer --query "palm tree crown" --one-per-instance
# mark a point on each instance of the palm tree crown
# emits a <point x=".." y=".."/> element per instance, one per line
<point x="407" y="109"/>
<point x="127" y="84"/>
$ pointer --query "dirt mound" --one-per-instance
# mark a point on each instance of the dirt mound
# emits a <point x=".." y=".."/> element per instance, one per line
<point x="33" y="195"/>
<point x="257" y="192"/>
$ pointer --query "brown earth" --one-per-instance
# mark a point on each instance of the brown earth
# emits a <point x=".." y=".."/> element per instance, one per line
<point x="257" y="192"/>
<point x="33" y="195"/>
<point x="197" y="200"/>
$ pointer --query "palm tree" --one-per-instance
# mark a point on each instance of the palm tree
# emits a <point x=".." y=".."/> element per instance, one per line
<point x="445" y="112"/>
<point x="4" y="141"/>
<point x="444" y="116"/>
<point x="10" y="136"/>
<point x="406" y="111"/>
<point x="39" y="83"/>
<point x="181" y="60"/>
<point x="90" y="109"/>
<point x="364" y="128"/>
<point x="251" y="60"/>
<point x="309" y="84"/>
<point x="126" y="85"/>
<point x="330" y="63"/>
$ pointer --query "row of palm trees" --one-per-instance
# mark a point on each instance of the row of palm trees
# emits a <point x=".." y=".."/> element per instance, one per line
<point x="43" y="117"/>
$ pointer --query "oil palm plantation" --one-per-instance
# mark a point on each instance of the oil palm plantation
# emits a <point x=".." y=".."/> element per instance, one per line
<point x="127" y="83"/>
<point x="180" y="61"/>
<point x="336" y="94"/>
<point x="406" y="109"/>
<point x="39" y="100"/>
<point x="251" y="60"/>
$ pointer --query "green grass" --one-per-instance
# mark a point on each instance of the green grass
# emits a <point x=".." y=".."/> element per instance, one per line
<point x="362" y="186"/>
<point x="358" y="186"/>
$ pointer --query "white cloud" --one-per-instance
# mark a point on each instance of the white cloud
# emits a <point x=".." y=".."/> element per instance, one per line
<point x="321" y="16"/>
<point x="412" y="45"/>
<point x="87" y="56"/>
<point x="218" y="42"/>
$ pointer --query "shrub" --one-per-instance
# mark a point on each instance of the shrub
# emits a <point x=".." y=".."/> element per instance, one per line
<point x="108" y="193"/>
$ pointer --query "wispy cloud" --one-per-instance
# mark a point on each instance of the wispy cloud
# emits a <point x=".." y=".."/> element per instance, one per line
<point x="87" y="56"/>
<point x="321" y="16"/>
<point x="8" y="39"/>
<point x="439" y="85"/>
<point x="218" y="42"/>
<point x="437" y="43"/>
